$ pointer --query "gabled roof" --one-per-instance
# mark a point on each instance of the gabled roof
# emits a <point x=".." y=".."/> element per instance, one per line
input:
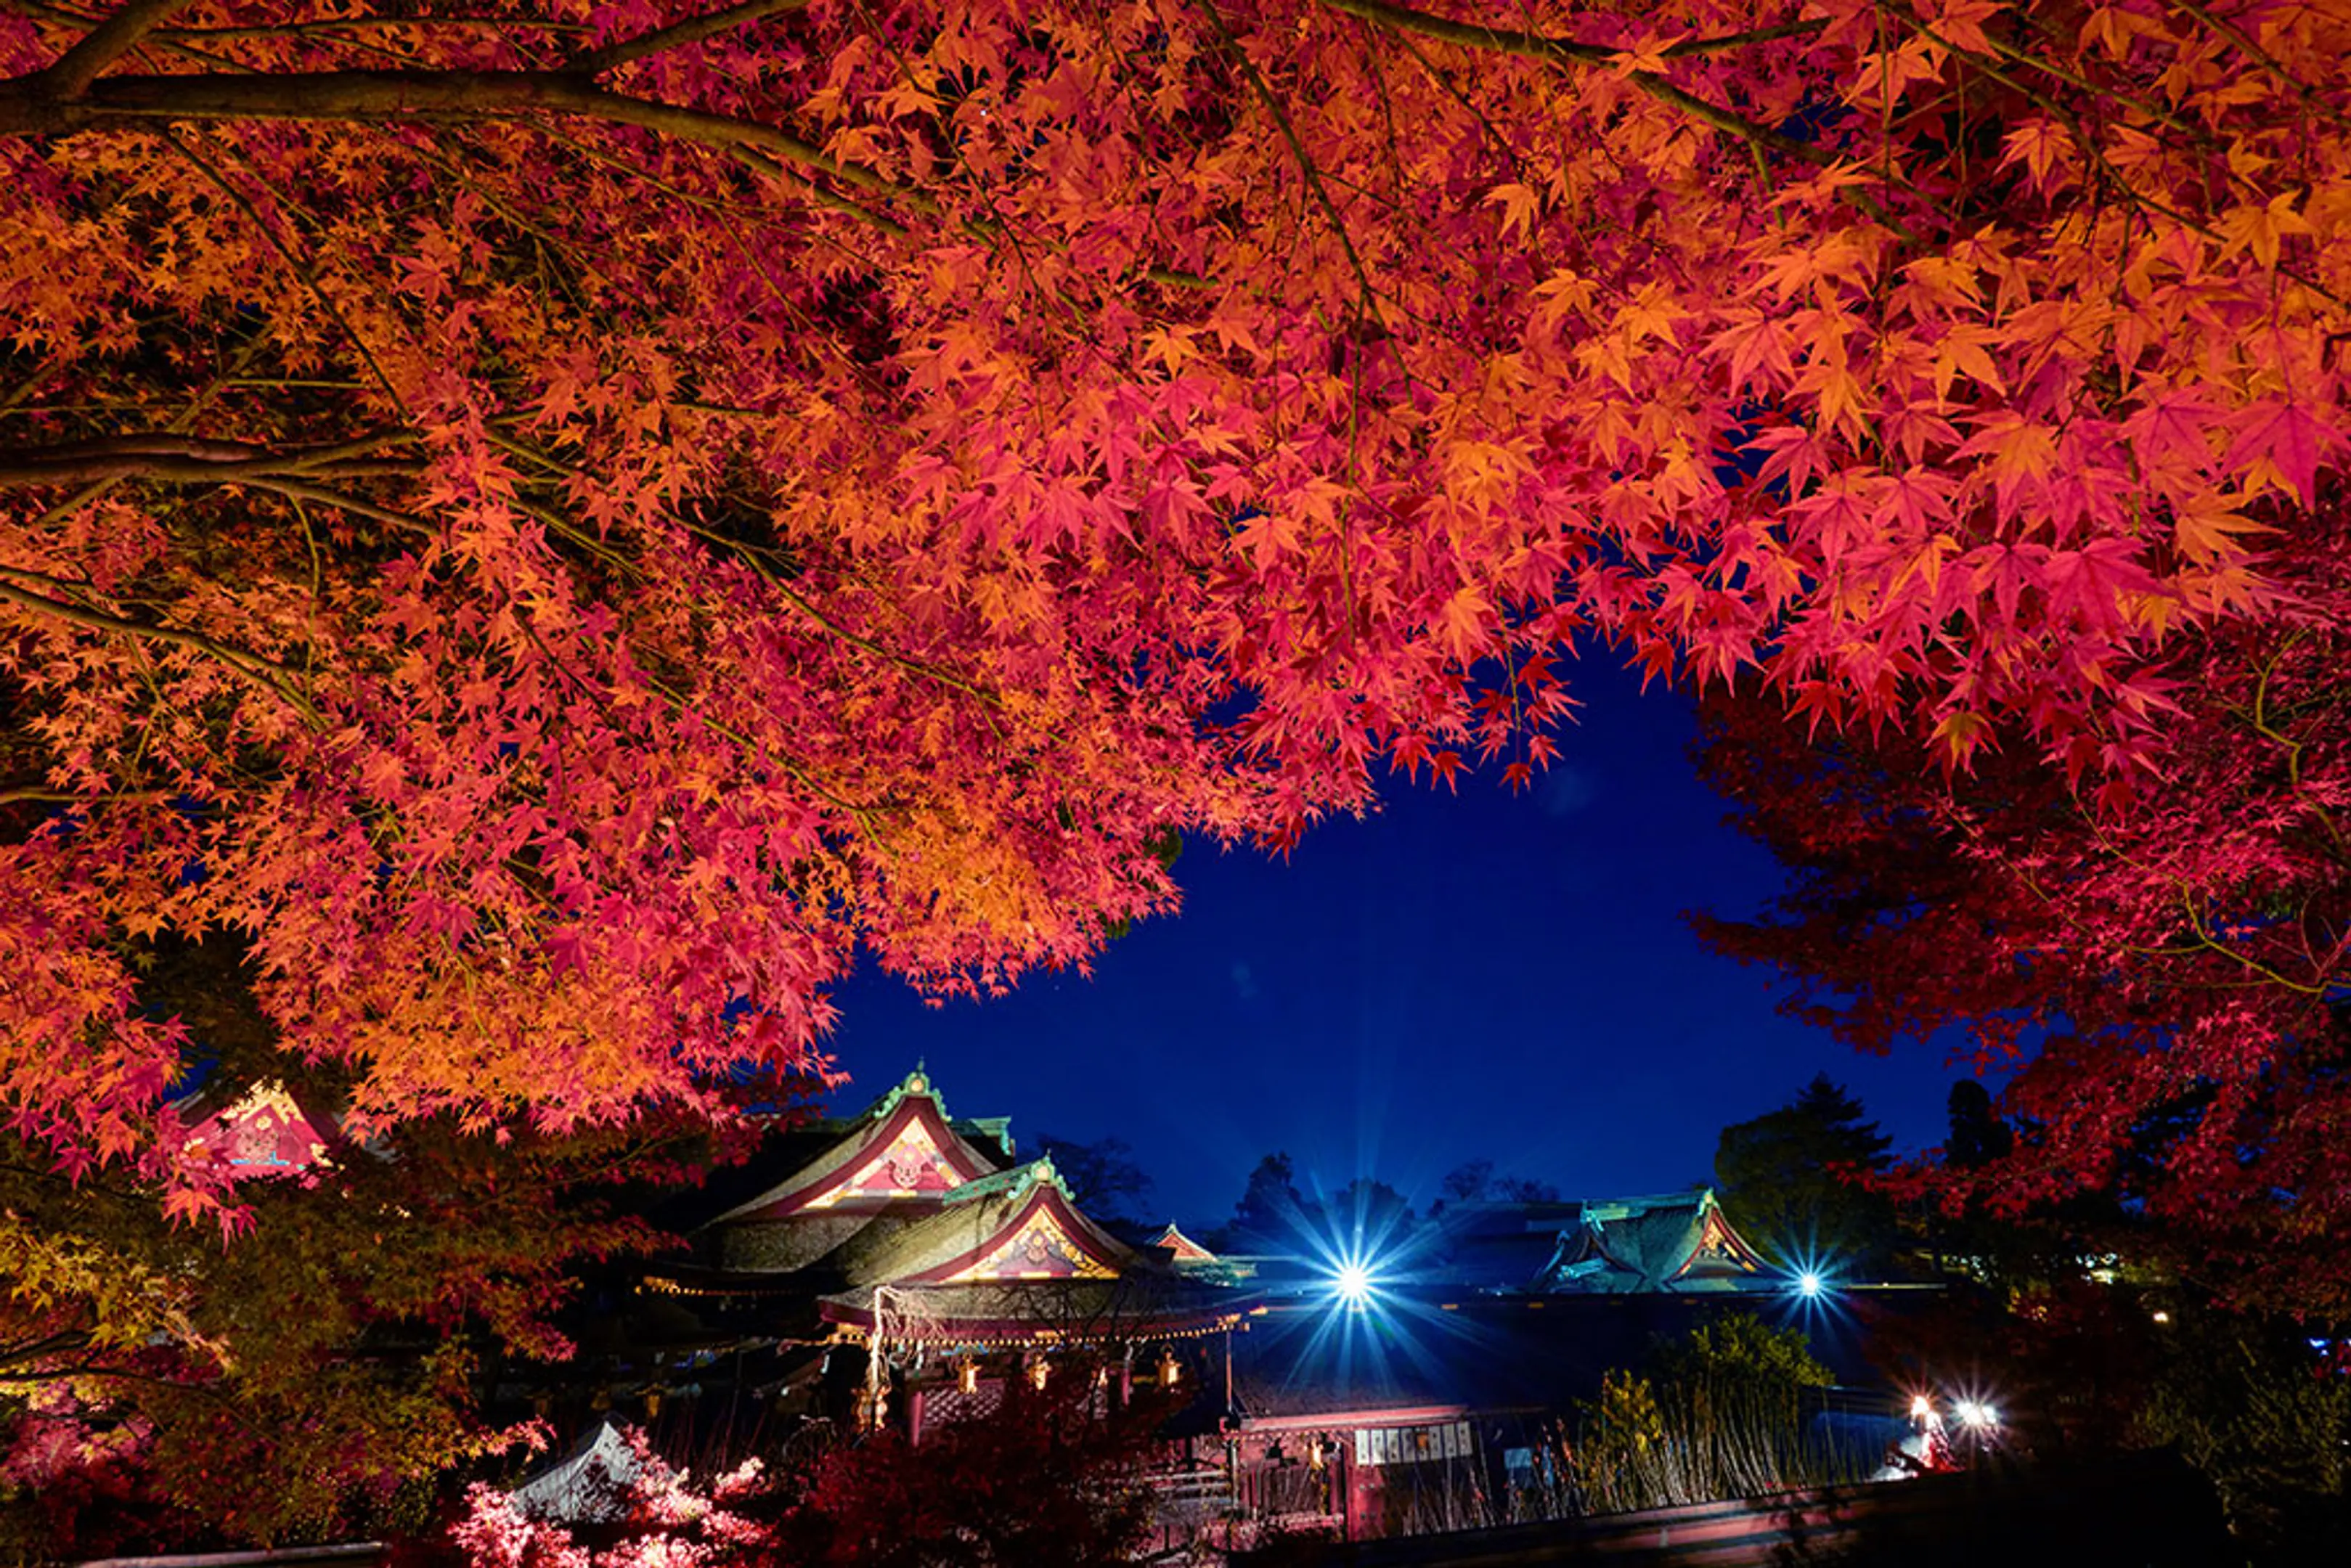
<point x="1181" y="1248"/>
<point x="1015" y="1225"/>
<point x="262" y="1132"/>
<point x="1010" y="1258"/>
<point x="903" y="1150"/>
<point x="1681" y="1242"/>
<point x="590" y="1485"/>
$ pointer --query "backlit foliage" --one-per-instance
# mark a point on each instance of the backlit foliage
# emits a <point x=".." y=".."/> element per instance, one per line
<point x="556" y="520"/>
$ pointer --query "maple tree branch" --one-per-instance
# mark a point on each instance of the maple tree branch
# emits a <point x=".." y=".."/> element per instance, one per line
<point x="678" y="35"/>
<point x="43" y="797"/>
<point x="678" y="702"/>
<point x="301" y="269"/>
<point x="27" y="107"/>
<point x="412" y="94"/>
<point x="370" y="25"/>
<point x="298" y="490"/>
<point x="748" y="555"/>
<point x="2071" y="79"/>
<point x="1569" y="51"/>
<point x="2205" y="940"/>
<point x="180" y="459"/>
<point x="911" y="666"/>
<point x="264" y="673"/>
<point x="70" y="74"/>
<point x="22" y="1351"/>
<point x="2260" y="721"/>
<point x="1369" y="302"/>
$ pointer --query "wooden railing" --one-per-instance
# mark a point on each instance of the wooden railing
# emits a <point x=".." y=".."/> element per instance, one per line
<point x="2141" y="1509"/>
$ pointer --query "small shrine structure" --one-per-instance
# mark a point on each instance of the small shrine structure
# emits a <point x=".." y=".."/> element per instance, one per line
<point x="264" y="1132"/>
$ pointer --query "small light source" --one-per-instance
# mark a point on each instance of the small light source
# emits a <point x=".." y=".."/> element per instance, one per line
<point x="1808" y="1284"/>
<point x="1040" y="1370"/>
<point x="1354" y="1283"/>
<point x="1171" y="1371"/>
<point x="2162" y="1317"/>
<point x="1921" y="1408"/>
<point x="967" y="1377"/>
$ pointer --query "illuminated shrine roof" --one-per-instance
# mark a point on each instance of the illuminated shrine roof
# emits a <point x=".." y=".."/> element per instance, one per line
<point x="1680" y="1242"/>
<point x="262" y="1132"/>
<point x="1013" y="1226"/>
<point x="902" y="1152"/>
<point x="1182" y="1247"/>
<point x="1010" y="1258"/>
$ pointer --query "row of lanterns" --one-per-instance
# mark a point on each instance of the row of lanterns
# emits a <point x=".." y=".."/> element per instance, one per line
<point x="1040" y="1372"/>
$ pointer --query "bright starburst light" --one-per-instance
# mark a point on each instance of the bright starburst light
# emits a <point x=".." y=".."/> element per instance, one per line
<point x="1363" y="1316"/>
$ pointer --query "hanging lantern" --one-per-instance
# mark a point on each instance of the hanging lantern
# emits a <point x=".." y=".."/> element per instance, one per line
<point x="1171" y="1371"/>
<point x="1040" y="1370"/>
<point x="967" y="1375"/>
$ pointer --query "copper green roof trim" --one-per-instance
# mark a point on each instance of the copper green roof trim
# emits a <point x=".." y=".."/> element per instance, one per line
<point x="902" y="1151"/>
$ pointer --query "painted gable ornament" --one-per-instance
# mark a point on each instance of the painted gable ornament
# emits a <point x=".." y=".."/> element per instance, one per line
<point x="262" y="1132"/>
<point x="911" y="1165"/>
<point x="1039" y="1249"/>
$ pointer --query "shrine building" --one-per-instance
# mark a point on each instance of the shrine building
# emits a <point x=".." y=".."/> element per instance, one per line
<point x="922" y="1244"/>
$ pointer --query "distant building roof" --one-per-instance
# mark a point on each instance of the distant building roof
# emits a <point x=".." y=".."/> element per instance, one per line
<point x="1181" y="1248"/>
<point x="1680" y="1242"/>
<point x="1497" y="1246"/>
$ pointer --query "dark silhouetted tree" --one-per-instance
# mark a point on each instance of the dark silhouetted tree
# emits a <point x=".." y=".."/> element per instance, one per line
<point x="1102" y="1177"/>
<point x="1474" y="1181"/>
<point x="1792" y="1178"/>
<point x="1977" y="1136"/>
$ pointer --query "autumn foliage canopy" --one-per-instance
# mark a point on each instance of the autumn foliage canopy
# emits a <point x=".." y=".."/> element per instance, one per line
<point x="553" y="522"/>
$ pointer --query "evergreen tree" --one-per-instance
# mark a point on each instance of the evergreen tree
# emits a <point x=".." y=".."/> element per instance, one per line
<point x="1794" y="1180"/>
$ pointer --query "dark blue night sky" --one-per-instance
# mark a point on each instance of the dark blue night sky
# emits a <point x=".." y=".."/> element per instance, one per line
<point x="1495" y="975"/>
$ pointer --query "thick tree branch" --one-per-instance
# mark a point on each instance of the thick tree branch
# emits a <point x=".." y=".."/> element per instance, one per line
<point x="27" y="109"/>
<point x="70" y="74"/>
<point x="678" y="35"/>
<point x="181" y="459"/>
